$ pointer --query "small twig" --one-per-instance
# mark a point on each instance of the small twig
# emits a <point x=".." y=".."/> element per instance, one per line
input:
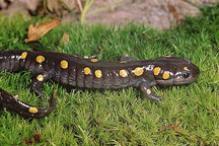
<point x="87" y="5"/>
<point x="79" y="5"/>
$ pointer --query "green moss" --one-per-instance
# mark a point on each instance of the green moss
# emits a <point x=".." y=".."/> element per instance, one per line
<point x="188" y="115"/>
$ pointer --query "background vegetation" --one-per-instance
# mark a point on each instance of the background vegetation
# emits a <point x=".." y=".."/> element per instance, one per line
<point x="187" y="115"/>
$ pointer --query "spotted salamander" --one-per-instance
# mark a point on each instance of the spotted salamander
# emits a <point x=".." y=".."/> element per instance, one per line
<point x="75" y="71"/>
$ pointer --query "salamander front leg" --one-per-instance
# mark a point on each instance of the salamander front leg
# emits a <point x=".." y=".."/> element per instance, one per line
<point x="36" y="87"/>
<point x="126" y="58"/>
<point x="145" y="87"/>
<point x="37" y="83"/>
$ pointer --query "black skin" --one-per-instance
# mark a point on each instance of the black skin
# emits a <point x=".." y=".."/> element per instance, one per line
<point x="180" y="72"/>
<point x="12" y="104"/>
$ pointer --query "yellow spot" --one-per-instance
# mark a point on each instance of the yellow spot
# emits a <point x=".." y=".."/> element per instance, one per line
<point x="87" y="70"/>
<point x="123" y="73"/>
<point x="40" y="78"/>
<point x="156" y="71"/>
<point x="166" y="75"/>
<point x="64" y="64"/>
<point x="94" y="60"/>
<point x="98" y="73"/>
<point x="24" y="55"/>
<point x="40" y="59"/>
<point x="148" y="91"/>
<point x="138" y="71"/>
<point x="33" y="110"/>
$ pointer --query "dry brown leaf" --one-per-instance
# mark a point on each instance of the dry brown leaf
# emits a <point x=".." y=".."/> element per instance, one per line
<point x="65" y="38"/>
<point x="38" y="31"/>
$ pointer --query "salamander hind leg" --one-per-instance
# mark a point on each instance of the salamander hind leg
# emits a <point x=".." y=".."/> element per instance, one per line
<point x="12" y="104"/>
<point x="145" y="88"/>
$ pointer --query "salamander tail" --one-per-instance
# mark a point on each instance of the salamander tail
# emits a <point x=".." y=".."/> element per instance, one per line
<point x="25" y="110"/>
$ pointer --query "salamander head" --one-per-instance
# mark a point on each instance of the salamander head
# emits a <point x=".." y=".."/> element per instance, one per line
<point x="175" y="71"/>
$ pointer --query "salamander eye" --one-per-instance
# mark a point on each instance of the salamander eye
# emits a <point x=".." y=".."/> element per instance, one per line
<point x="185" y="74"/>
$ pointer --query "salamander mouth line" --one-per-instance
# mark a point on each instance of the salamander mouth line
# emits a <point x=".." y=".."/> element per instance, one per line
<point x="175" y="81"/>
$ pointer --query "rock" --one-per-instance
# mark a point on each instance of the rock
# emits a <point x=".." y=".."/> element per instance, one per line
<point x="161" y="14"/>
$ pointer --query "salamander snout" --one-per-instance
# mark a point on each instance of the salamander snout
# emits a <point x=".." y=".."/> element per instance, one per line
<point x="175" y="71"/>
<point x="188" y="74"/>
